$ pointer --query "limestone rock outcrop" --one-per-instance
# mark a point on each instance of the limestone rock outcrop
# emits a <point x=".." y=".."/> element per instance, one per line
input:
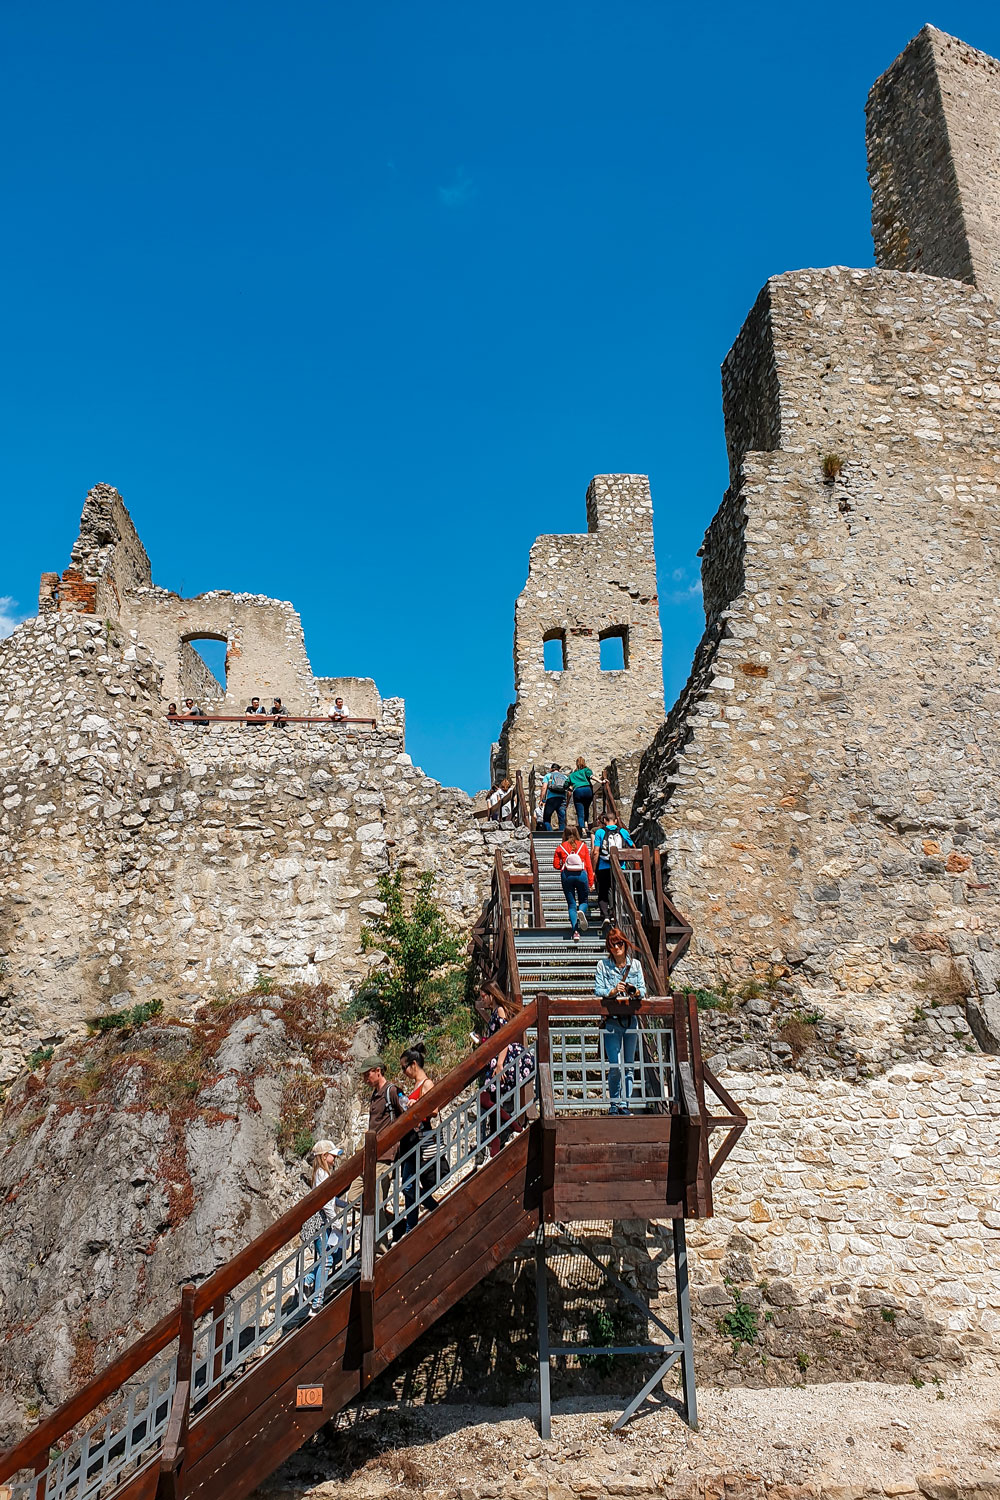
<point x="139" y="1160"/>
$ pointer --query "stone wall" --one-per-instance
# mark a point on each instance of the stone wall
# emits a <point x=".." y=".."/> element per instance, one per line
<point x="844" y="1197"/>
<point x="934" y="157"/>
<point x="109" y="576"/>
<point x="826" y="786"/>
<point x="265" y="647"/>
<point x="140" y="860"/>
<point x="580" y="589"/>
<point x="108" y="560"/>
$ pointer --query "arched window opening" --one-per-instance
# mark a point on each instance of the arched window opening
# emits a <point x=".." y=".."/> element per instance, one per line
<point x="554" y="650"/>
<point x="614" y="649"/>
<point x="203" y="666"/>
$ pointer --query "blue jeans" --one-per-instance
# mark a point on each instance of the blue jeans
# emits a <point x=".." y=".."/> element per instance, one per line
<point x="621" y="1040"/>
<point x="555" y="803"/>
<point x="576" y="889"/>
<point x="583" y="796"/>
<point x="323" y="1267"/>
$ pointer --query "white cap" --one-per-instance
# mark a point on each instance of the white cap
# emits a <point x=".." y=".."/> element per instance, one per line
<point x="325" y="1148"/>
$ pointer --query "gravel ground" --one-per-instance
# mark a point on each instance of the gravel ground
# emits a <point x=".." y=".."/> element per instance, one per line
<point x="839" y="1441"/>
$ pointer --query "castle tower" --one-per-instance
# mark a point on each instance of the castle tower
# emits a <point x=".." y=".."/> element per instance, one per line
<point x="591" y="600"/>
<point x="934" y="162"/>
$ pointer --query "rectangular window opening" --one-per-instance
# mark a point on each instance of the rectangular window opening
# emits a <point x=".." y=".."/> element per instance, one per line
<point x="554" y="651"/>
<point x="614" y="649"/>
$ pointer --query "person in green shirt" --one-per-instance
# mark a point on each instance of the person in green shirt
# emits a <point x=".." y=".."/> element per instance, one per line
<point x="582" y="791"/>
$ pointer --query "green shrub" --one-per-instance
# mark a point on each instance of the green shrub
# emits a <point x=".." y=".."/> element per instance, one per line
<point x="400" y="998"/>
<point x="39" y="1056"/>
<point x="710" y="1000"/>
<point x="125" y="1020"/>
<point x="741" y="1323"/>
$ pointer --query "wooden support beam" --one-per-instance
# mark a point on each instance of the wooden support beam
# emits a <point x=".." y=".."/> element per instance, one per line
<point x="174" y="1450"/>
<point x="369" y="1235"/>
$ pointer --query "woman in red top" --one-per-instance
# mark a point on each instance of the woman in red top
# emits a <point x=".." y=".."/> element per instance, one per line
<point x="572" y="860"/>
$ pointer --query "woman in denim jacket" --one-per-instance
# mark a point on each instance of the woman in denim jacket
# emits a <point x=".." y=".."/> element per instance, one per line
<point x="620" y="977"/>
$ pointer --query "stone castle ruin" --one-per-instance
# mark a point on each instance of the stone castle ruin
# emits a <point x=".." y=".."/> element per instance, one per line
<point x="825" y="790"/>
<point x="141" y="859"/>
<point x="583" y="591"/>
<point x="826" y="785"/>
<point x="109" y="576"/>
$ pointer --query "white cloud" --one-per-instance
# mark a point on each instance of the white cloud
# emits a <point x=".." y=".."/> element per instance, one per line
<point x="9" y="615"/>
<point x="459" y="191"/>
<point x="686" y="595"/>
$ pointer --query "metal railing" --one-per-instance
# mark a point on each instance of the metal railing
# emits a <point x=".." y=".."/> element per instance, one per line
<point x="596" y="1069"/>
<point x="304" y="1268"/>
<point x="257" y="721"/>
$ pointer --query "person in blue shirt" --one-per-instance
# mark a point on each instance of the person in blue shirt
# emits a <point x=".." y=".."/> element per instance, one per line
<point x="620" y="977"/>
<point x="609" y="836"/>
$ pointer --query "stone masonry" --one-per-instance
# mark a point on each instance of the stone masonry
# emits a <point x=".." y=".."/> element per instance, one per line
<point x="141" y="860"/>
<point x="580" y="591"/>
<point x="934" y="160"/>
<point x="109" y="576"/>
<point x="826" y="785"/>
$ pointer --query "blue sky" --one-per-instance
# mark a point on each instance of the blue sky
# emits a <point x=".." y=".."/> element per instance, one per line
<point x="350" y="301"/>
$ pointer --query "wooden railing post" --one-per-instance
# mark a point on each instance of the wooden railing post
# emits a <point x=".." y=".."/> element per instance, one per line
<point x="525" y="820"/>
<point x="369" y="1235"/>
<point x="536" y="890"/>
<point x="546" y="1106"/>
<point x="173" y="1452"/>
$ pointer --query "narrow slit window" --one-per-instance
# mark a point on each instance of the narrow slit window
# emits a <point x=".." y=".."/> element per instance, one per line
<point x="614" y="649"/>
<point x="554" y="651"/>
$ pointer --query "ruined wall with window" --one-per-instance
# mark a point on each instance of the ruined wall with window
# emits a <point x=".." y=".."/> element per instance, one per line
<point x="588" y="667"/>
<point x="109" y="576"/>
<point x="141" y="859"/>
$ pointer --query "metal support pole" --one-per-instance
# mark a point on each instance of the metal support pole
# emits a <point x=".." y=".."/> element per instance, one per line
<point x="685" y="1331"/>
<point x="542" y="1294"/>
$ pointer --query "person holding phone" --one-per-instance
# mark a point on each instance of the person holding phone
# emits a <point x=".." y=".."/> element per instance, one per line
<point x="619" y="977"/>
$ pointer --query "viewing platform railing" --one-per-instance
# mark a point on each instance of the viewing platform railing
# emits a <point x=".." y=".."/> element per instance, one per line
<point x="254" y="721"/>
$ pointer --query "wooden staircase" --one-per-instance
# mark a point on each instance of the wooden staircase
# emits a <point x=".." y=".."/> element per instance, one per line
<point x="269" y="1348"/>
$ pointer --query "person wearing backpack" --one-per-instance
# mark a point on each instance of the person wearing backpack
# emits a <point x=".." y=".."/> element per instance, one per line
<point x="611" y="835"/>
<point x="556" y="785"/>
<point x="572" y="860"/>
<point x="582" y="790"/>
<point x="385" y="1105"/>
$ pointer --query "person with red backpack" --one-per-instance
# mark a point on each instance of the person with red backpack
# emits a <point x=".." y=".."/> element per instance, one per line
<point x="572" y="860"/>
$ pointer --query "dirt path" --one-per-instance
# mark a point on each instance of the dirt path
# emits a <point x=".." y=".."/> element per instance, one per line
<point x="836" y="1441"/>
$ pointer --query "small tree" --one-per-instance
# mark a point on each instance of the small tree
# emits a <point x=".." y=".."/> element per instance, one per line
<point x="417" y="945"/>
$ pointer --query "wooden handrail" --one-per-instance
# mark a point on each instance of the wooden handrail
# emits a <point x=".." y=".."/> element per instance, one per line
<point x="599" y="1006"/>
<point x="609" y="800"/>
<point x="37" y="1443"/>
<point x="646" y="955"/>
<point x="263" y="719"/>
<point x="525" y="813"/>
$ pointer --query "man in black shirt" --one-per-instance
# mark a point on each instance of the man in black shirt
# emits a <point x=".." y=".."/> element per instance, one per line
<point x="385" y="1105"/>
